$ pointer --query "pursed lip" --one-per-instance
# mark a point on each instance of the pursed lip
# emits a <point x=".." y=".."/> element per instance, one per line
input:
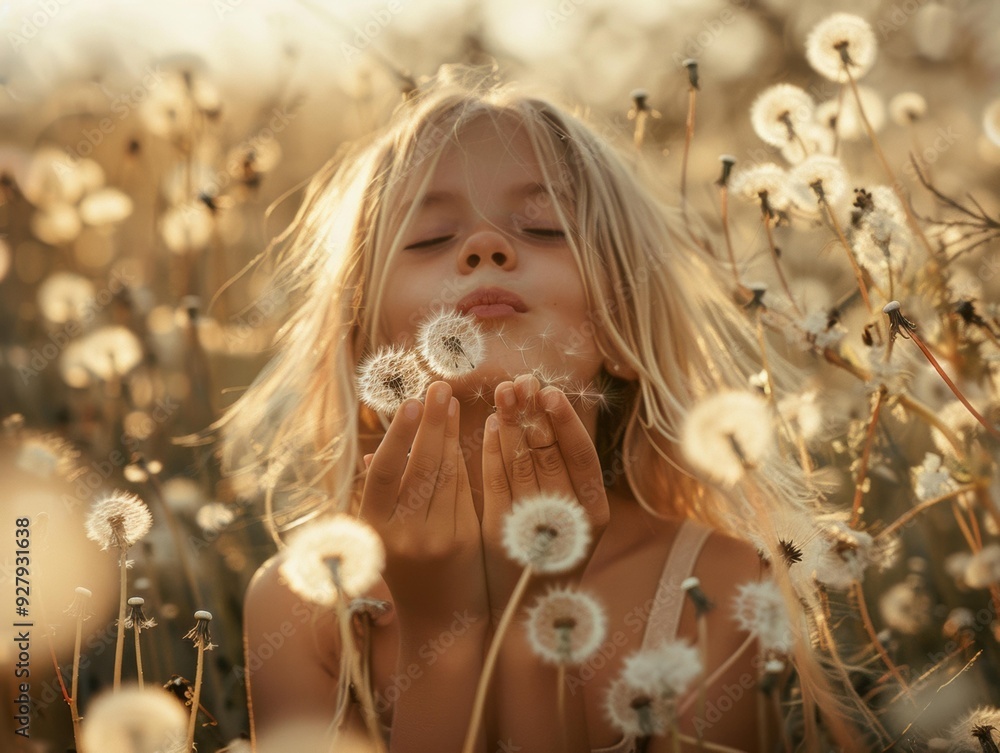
<point x="489" y="297"/>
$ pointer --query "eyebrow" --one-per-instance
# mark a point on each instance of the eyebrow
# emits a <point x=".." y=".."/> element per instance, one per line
<point x="432" y="199"/>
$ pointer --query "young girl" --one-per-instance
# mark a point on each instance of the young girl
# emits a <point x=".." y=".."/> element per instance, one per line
<point x="604" y="325"/>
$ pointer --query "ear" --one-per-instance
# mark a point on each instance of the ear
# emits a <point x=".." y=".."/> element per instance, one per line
<point x="620" y="370"/>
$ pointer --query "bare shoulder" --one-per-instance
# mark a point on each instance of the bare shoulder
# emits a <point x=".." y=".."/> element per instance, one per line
<point x="727" y="560"/>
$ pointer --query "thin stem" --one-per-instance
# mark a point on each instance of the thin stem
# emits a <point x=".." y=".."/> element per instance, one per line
<point x="859" y="484"/>
<point x="858" y="276"/>
<point x="491" y="659"/>
<point x="74" y="707"/>
<point x="909" y="515"/>
<point x="688" y="137"/>
<point x="196" y="698"/>
<point x="703" y="685"/>
<point x="779" y="718"/>
<point x="873" y="636"/>
<point x="348" y="650"/>
<point x="724" y="211"/>
<point x="120" y="641"/>
<point x="777" y="266"/>
<point x="138" y="657"/>
<point x="709" y="746"/>
<point x="762" y="742"/>
<point x="561" y="706"/>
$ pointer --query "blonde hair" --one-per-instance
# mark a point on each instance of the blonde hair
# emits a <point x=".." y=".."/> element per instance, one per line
<point x="656" y="293"/>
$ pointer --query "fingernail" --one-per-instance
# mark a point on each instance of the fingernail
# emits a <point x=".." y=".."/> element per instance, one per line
<point x="507" y="397"/>
<point x="411" y="409"/>
<point x="548" y="399"/>
<point x="491" y="422"/>
<point x="441" y="395"/>
<point x="453" y="407"/>
<point x="368" y="460"/>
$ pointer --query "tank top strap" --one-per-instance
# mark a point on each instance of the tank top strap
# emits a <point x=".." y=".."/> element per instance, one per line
<point x="665" y="616"/>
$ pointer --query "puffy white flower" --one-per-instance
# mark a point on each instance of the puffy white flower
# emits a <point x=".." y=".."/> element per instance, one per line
<point x="56" y="224"/>
<point x="187" y="228"/>
<point x="779" y="113"/>
<point x="840" y="43"/>
<point x="326" y="557"/>
<point x="135" y="721"/>
<point x="906" y="607"/>
<point x="111" y="351"/>
<point x="813" y="138"/>
<point x="846" y="555"/>
<point x="929" y="481"/>
<point x="803" y="411"/>
<point x="667" y="670"/>
<point x="566" y="626"/>
<point x="451" y="343"/>
<point x="636" y="713"/>
<point x="844" y="116"/>
<point x="214" y="516"/>
<point x="105" y="206"/>
<point x="820" y="173"/>
<point x="546" y="532"/>
<point x="65" y="296"/>
<point x="389" y="377"/>
<point x="983" y="569"/>
<point x="759" y="608"/>
<point x="822" y="331"/>
<point x="727" y="433"/>
<point x="766" y="180"/>
<point x="118" y="520"/>
<point x="907" y="107"/>
<point x="964" y="736"/>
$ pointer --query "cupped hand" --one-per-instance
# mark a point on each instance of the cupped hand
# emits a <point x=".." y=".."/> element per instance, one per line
<point x="534" y="443"/>
<point x="417" y="496"/>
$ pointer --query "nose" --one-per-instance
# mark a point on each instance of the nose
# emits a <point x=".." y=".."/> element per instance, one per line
<point x="487" y="247"/>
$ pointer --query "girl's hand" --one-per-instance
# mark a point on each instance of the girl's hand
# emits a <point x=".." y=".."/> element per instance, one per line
<point x="421" y="505"/>
<point x="534" y="443"/>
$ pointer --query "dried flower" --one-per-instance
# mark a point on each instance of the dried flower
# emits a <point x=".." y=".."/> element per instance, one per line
<point x="118" y="520"/>
<point x="136" y="618"/>
<point x="80" y="606"/>
<point x="452" y="343"/>
<point x="546" y="532"/>
<point x="135" y="721"/>
<point x="823" y="177"/>
<point x="847" y="553"/>
<point x="780" y="112"/>
<point x="338" y="555"/>
<point x="983" y="569"/>
<point x="906" y="606"/>
<point x="906" y="108"/>
<point x="840" y="43"/>
<point x="635" y="713"/>
<point x="759" y="608"/>
<point x="766" y="183"/>
<point x="929" y="481"/>
<point x="566" y="627"/>
<point x="727" y="433"/>
<point x="666" y="671"/>
<point x="969" y="734"/>
<point x="389" y="377"/>
<point x="200" y="633"/>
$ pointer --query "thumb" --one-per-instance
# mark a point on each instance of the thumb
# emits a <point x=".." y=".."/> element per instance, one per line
<point x="368" y="460"/>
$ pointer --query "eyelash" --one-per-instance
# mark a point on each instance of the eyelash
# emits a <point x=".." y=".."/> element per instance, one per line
<point x="549" y="234"/>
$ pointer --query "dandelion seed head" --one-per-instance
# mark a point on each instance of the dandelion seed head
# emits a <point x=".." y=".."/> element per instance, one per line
<point x="549" y="533"/>
<point x="930" y="480"/>
<point x="47" y="456"/>
<point x="759" y="609"/>
<point x="340" y="553"/>
<point x="187" y="228"/>
<point x="962" y="735"/>
<point x="821" y="331"/>
<point x="201" y="633"/>
<point x="727" y="433"/>
<point x="767" y="179"/>
<point x="779" y="112"/>
<point x="135" y="618"/>
<point x="803" y="411"/>
<point x="118" y="520"/>
<point x="65" y="296"/>
<point x="389" y="377"/>
<point x="840" y="43"/>
<point x="844" y="117"/>
<point x="214" y="517"/>
<point x="813" y="138"/>
<point x="135" y="721"/>
<point x="959" y="620"/>
<point x="847" y="553"/>
<point x="105" y="207"/>
<point x="452" y="343"/>
<point x="820" y="173"/>
<point x="110" y="352"/>
<point x="906" y="606"/>
<point x="906" y="108"/>
<point x="955" y="565"/>
<point x="666" y="671"/>
<point x="566" y="627"/>
<point x="983" y="569"/>
<point x="635" y="713"/>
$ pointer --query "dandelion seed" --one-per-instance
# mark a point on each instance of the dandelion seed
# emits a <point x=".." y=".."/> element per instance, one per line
<point x="339" y="555"/>
<point x="726" y="434"/>
<point x="452" y="343"/>
<point x="970" y="733"/>
<point x="906" y="108"/>
<point x="566" y="627"/>
<point x="135" y="721"/>
<point x="759" y="609"/>
<point x="906" y="606"/>
<point x="766" y="183"/>
<point x="118" y="520"/>
<point x="822" y="330"/>
<point x="547" y="533"/>
<point x="929" y="480"/>
<point x="65" y="296"/>
<point x="780" y="112"/>
<point x="839" y="44"/>
<point x="635" y="713"/>
<point x="666" y="671"/>
<point x="983" y="570"/>
<point x="389" y="377"/>
<point x="846" y="556"/>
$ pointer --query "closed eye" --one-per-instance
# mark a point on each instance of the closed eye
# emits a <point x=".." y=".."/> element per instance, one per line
<point x="546" y="233"/>
<point x="430" y="242"/>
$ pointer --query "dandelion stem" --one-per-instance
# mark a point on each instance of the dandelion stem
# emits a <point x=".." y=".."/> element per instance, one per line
<point x="120" y="641"/>
<point x="910" y="514"/>
<point x="74" y="707"/>
<point x="866" y="619"/>
<point x="724" y="211"/>
<point x="675" y="732"/>
<point x="717" y="673"/>
<point x="196" y="697"/>
<point x="138" y="657"/>
<point x="491" y="658"/>
<point x="688" y="137"/>
<point x="762" y="741"/>
<point x="561" y="706"/>
<point x="715" y="747"/>
<point x="777" y="264"/>
<point x="835" y="224"/>
<point x="355" y="675"/>
<point x="703" y="684"/>
<point x="859" y="484"/>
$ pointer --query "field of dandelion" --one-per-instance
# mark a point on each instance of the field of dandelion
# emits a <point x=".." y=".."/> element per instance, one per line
<point x="149" y="152"/>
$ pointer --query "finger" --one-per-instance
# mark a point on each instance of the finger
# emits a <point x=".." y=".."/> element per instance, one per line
<point x="579" y="455"/>
<point x="444" y="501"/>
<point x="385" y="470"/>
<point x="368" y="460"/>
<point x="534" y="421"/>
<point x="419" y="479"/>
<point x="513" y="447"/>
<point x="495" y="484"/>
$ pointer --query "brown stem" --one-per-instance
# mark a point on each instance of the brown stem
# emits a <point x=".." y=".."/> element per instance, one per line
<point x="870" y="628"/>
<point x="859" y="484"/>
<point x="858" y="276"/>
<point x="120" y="641"/>
<point x="196" y="697"/>
<point x="910" y="514"/>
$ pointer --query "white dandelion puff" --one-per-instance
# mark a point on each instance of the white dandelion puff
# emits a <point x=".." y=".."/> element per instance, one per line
<point x="846" y="555"/>
<point x="979" y="724"/>
<point x="840" y="43"/>
<point x="105" y="207"/>
<point x="726" y="434"/>
<point x="65" y="296"/>
<point x="547" y="533"/>
<point x="566" y="626"/>
<point x="762" y="183"/>
<point x="991" y="121"/>
<point x="338" y="555"/>
<point x="820" y="175"/>
<point x="389" y="377"/>
<point x="759" y="608"/>
<point x="906" y="606"/>
<point x="666" y="671"/>
<point x="906" y="108"/>
<point x="118" y="520"/>
<point x="844" y="117"/>
<point x="110" y="352"/>
<point x="635" y="713"/>
<point x="452" y="343"/>
<point x="135" y="721"/>
<point x="929" y="480"/>
<point x="812" y="138"/>
<point x="214" y="517"/>
<point x="780" y="112"/>
<point x="56" y="224"/>
<point x="983" y="568"/>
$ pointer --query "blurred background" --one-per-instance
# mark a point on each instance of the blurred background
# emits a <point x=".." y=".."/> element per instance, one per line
<point x="149" y="151"/>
